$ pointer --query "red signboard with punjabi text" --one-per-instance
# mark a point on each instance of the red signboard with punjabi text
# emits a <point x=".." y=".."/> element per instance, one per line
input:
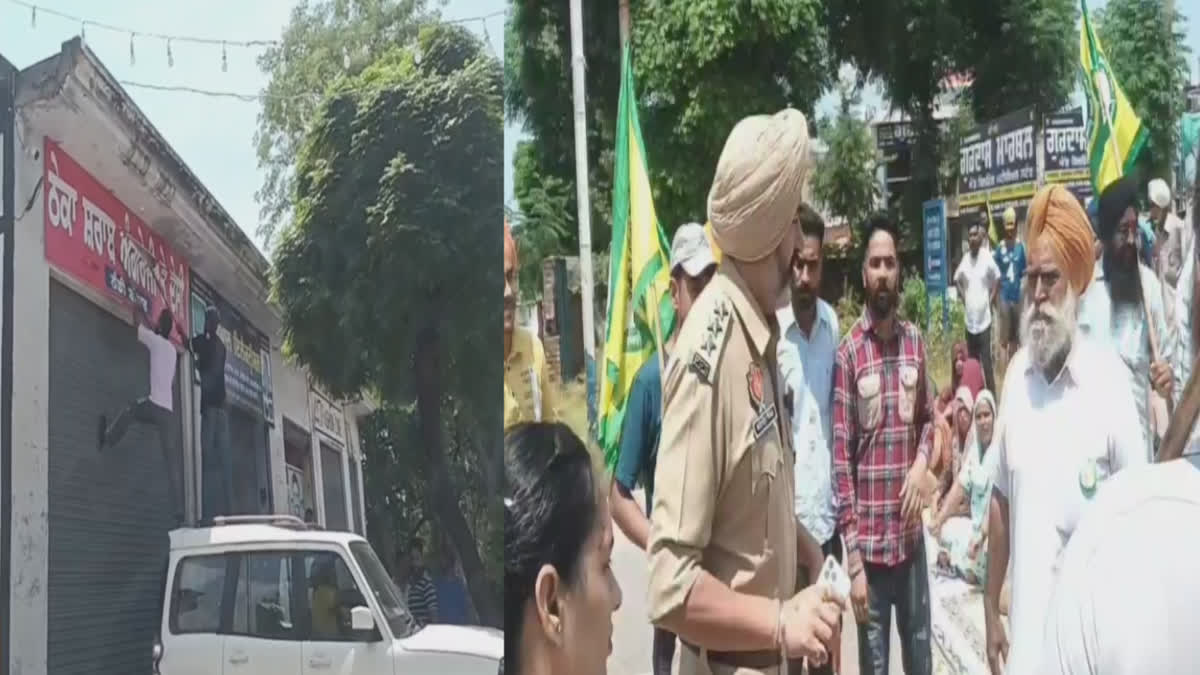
<point x="92" y="237"/>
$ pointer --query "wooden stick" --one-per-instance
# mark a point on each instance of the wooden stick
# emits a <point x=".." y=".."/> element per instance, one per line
<point x="1150" y="329"/>
<point x="1179" y="429"/>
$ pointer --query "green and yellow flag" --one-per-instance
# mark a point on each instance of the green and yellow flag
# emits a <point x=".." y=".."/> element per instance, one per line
<point x="640" y="314"/>
<point x="1115" y="134"/>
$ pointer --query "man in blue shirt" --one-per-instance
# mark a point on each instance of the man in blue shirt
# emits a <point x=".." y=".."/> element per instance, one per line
<point x="692" y="266"/>
<point x="1010" y="258"/>
<point x="807" y="351"/>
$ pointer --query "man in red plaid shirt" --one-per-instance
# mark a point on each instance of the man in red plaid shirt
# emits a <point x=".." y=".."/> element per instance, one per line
<point x="881" y="440"/>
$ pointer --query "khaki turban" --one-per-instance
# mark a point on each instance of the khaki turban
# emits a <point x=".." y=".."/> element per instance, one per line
<point x="759" y="183"/>
<point x="1057" y="214"/>
<point x="510" y="245"/>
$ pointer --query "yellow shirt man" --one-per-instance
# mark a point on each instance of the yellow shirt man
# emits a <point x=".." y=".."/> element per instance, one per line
<point x="529" y="396"/>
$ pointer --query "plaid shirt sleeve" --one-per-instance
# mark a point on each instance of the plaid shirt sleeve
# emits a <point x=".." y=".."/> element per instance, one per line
<point x="923" y="416"/>
<point x="845" y="445"/>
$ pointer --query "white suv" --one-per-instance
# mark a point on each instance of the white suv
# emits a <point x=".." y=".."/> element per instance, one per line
<point x="266" y="595"/>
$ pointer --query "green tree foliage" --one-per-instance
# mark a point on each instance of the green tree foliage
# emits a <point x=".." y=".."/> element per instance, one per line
<point x="546" y="226"/>
<point x="1148" y="56"/>
<point x="700" y="67"/>
<point x="844" y="180"/>
<point x="323" y="41"/>
<point x="380" y="277"/>
<point x="1020" y="52"/>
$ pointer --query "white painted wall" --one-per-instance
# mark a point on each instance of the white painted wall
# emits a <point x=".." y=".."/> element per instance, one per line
<point x="27" y="615"/>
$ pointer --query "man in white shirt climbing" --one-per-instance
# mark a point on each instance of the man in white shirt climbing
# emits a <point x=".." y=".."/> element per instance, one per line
<point x="978" y="279"/>
<point x="154" y="410"/>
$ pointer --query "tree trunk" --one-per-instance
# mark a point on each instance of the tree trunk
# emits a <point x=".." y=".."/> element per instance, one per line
<point x="441" y="491"/>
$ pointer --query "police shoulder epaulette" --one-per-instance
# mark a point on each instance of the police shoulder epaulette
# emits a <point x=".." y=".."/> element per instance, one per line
<point x="707" y="354"/>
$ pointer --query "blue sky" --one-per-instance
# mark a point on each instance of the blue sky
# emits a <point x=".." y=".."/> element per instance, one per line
<point x="1190" y="9"/>
<point x="215" y="136"/>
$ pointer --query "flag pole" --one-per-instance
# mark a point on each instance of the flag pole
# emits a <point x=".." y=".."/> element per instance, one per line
<point x="624" y="24"/>
<point x="586" y="286"/>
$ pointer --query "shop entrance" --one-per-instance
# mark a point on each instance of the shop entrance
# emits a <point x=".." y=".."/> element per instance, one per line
<point x="109" y="513"/>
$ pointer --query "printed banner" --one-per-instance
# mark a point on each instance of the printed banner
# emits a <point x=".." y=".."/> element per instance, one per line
<point x="997" y="161"/>
<point x="244" y="348"/>
<point x="92" y="237"/>
<point x="890" y="135"/>
<point x="1065" y="138"/>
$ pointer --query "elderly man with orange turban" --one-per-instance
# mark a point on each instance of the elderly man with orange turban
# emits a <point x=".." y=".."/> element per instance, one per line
<point x="529" y="395"/>
<point x="1068" y="421"/>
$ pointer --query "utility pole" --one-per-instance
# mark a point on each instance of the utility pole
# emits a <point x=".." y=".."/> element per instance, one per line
<point x="585" y="210"/>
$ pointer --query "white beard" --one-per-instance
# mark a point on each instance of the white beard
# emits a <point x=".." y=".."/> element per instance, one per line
<point x="1047" y="330"/>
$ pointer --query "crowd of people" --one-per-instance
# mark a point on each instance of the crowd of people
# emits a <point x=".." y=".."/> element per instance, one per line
<point x="767" y="439"/>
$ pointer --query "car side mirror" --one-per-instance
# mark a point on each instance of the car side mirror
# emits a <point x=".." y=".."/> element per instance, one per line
<point x="361" y="620"/>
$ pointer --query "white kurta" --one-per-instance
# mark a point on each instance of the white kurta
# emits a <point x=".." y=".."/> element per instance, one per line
<point x="1126" y="600"/>
<point x="1055" y="440"/>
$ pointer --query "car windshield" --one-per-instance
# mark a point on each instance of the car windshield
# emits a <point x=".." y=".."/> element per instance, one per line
<point x="390" y="600"/>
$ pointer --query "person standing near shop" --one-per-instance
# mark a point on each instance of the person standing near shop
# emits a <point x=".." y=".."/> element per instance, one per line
<point x="209" y="352"/>
<point x="978" y="279"/>
<point x="155" y="410"/>
<point x="1010" y="259"/>
<point x="722" y="559"/>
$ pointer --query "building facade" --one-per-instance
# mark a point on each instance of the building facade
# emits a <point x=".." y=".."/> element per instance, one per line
<point x="100" y="215"/>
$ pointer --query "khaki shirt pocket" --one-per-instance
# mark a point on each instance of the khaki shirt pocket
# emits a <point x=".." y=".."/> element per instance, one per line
<point x="908" y="393"/>
<point x="870" y="401"/>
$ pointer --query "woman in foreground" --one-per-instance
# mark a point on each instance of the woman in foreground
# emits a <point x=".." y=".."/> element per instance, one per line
<point x="559" y="589"/>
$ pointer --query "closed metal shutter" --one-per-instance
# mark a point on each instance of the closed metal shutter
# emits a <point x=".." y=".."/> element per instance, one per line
<point x="108" y="514"/>
<point x="356" y="498"/>
<point x="335" y="491"/>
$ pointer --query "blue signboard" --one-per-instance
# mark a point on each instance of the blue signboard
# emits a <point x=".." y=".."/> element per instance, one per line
<point x="936" y="262"/>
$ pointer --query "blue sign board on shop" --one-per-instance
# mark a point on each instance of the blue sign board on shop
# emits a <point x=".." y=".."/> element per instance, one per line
<point x="936" y="263"/>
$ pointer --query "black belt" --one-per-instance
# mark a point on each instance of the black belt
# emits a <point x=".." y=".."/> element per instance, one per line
<point x="760" y="660"/>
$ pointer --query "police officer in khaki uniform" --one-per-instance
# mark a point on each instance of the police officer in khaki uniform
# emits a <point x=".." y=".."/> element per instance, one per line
<point x="723" y="536"/>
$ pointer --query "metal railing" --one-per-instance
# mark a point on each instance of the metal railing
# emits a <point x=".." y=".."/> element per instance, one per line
<point x="276" y="519"/>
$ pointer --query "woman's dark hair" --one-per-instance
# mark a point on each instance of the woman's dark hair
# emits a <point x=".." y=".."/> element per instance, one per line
<point x="548" y="516"/>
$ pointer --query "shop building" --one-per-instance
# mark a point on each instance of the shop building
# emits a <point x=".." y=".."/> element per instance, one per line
<point x="100" y="214"/>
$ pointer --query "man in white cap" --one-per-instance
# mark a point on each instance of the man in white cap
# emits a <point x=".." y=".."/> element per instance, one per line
<point x="1010" y="258"/>
<point x="722" y="559"/>
<point x="1170" y="230"/>
<point x="692" y="267"/>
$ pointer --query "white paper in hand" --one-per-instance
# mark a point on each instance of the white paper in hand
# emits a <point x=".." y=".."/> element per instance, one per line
<point x="833" y="576"/>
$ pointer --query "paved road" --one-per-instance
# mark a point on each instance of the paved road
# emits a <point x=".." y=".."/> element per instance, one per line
<point x="631" y="629"/>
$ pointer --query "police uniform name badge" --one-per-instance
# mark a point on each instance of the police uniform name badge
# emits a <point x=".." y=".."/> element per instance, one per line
<point x="764" y="413"/>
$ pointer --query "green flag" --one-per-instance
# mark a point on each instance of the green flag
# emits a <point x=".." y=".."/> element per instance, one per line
<point x="640" y="314"/>
<point x="1115" y="134"/>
